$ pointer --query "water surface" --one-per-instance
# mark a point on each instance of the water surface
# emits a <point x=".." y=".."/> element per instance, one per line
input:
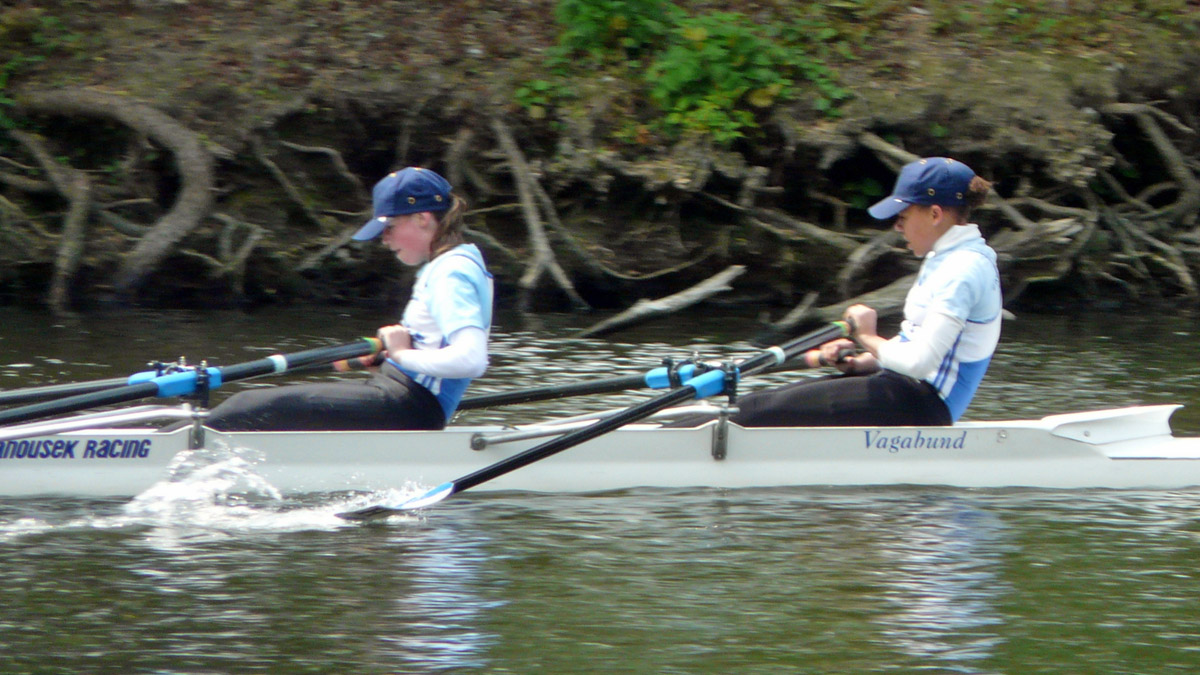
<point x="223" y="575"/>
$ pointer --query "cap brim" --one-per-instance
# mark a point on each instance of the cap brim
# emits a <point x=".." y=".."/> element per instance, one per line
<point x="371" y="230"/>
<point x="885" y="209"/>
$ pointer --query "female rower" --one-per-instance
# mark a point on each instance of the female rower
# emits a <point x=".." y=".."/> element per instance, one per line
<point x="439" y="345"/>
<point x="926" y="375"/>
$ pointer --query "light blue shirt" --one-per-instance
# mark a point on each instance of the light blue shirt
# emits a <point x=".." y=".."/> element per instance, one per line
<point x="451" y="292"/>
<point x="958" y="278"/>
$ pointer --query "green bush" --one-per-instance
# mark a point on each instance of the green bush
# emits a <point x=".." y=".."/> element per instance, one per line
<point x="708" y="75"/>
<point x="625" y="28"/>
<point x="716" y="68"/>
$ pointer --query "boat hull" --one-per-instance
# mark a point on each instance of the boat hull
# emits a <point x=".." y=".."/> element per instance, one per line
<point x="1125" y="448"/>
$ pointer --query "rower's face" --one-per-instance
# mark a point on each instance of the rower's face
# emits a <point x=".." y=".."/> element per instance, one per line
<point x="410" y="236"/>
<point x="921" y="227"/>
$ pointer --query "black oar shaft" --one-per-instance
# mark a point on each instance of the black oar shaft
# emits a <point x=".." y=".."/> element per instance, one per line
<point x="285" y="362"/>
<point x="124" y="394"/>
<point x="556" y="445"/>
<point x="180" y="384"/>
<point x="554" y="391"/>
<point x="53" y="391"/>
<point x="769" y="357"/>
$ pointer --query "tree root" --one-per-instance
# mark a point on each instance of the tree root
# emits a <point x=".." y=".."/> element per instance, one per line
<point x="76" y="188"/>
<point x="543" y="255"/>
<point x="194" y="163"/>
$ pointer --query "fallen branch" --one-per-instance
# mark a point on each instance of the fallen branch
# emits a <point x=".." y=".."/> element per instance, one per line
<point x="643" y="310"/>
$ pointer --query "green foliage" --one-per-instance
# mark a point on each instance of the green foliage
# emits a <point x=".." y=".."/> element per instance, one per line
<point x="716" y="67"/>
<point x="625" y="28"/>
<point x="537" y="96"/>
<point x="860" y="194"/>
<point x="709" y="74"/>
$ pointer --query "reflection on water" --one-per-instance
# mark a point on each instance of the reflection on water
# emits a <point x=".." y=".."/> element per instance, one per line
<point x="699" y="581"/>
<point x="944" y="558"/>
<point x="215" y="571"/>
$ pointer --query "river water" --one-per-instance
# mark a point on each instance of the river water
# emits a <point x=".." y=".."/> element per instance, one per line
<point x="896" y="579"/>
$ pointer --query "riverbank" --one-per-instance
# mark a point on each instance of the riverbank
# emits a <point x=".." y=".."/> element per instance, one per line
<point x="220" y="153"/>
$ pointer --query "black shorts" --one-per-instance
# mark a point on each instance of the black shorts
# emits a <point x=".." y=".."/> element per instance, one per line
<point x="389" y="400"/>
<point x="882" y="399"/>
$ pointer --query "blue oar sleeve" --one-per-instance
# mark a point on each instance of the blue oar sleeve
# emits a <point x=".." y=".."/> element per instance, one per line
<point x="660" y="378"/>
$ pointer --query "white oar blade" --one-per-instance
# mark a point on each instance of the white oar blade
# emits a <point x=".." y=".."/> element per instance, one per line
<point x="378" y="511"/>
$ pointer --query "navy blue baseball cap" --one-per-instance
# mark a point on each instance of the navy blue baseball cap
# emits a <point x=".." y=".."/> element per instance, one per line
<point x="932" y="180"/>
<point x="410" y="190"/>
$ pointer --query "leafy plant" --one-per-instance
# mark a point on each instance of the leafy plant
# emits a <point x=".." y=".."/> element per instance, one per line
<point x="717" y="68"/>
<point x="624" y="28"/>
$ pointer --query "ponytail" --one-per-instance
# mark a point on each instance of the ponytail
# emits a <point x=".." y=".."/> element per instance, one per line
<point x="450" y="227"/>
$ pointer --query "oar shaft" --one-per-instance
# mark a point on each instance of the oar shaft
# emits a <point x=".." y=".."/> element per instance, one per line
<point x="554" y="391"/>
<point x="707" y="384"/>
<point x="771" y="357"/>
<point x="281" y="363"/>
<point x="184" y="382"/>
<point x="556" y="445"/>
<point x="124" y="394"/>
<point x="658" y="378"/>
<point x="52" y="391"/>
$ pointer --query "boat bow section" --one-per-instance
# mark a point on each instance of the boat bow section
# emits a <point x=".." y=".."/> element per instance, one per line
<point x="1113" y="426"/>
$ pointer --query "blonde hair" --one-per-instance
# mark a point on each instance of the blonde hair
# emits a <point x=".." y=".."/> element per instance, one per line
<point x="450" y="227"/>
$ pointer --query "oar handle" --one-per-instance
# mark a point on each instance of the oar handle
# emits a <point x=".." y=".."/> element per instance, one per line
<point x="281" y="363"/>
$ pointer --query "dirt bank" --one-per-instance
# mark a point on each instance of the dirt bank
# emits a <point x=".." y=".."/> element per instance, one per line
<point x="204" y="152"/>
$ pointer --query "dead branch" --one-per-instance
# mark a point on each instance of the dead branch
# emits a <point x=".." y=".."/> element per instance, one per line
<point x="643" y="310"/>
<point x="289" y="188"/>
<point x="543" y="258"/>
<point x="194" y="163"/>
<point x="26" y="184"/>
<point x="234" y="261"/>
<point x="793" y="230"/>
<point x="788" y="322"/>
<point x="1186" y="207"/>
<point x="887" y="301"/>
<point x="862" y="258"/>
<point x="339" y="165"/>
<point x="1169" y="258"/>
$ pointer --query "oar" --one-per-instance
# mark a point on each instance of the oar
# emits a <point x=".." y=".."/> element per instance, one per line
<point x="50" y="392"/>
<point x="184" y="382"/>
<point x="701" y="386"/>
<point x="656" y="378"/>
